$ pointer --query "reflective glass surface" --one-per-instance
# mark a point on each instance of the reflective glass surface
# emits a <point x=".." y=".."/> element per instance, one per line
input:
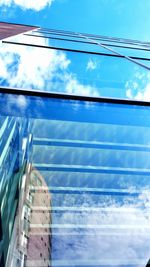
<point x="83" y="176"/>
<point x="72" y="72"/>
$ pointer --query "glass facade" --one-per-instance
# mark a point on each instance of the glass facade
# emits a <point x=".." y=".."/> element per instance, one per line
<point x="76" y="63"/>
<point x="74" y="170"/>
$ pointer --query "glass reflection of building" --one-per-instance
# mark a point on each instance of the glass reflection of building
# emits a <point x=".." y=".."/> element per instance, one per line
<point x="19" y="243"/>
<point x="39" y="241"/>
<point x="75" y="169"/>
<point x="15" y="142"/>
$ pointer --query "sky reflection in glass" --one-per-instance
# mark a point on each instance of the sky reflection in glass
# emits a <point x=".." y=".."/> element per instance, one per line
<point x="94" y="158"/>
<point x="74" y="72"/>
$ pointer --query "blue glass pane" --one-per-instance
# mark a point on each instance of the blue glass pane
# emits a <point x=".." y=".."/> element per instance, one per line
<point x="74" y="183"/>
<point x="87" y="73"/>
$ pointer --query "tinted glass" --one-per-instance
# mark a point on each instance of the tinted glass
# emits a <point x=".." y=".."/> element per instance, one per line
<point x="71" y="72"/>
<point x="82" y="169"/>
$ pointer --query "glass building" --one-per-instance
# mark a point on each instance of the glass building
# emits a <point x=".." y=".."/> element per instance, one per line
<point x="74" y="149"/>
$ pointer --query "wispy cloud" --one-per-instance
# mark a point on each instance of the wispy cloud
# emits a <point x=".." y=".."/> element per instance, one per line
<point x="73" y="86"/>
<point x="139" y="86"/>
<point x="144" y="94"/>
<point x="91" y="65"/>
<point x="119" y="234"/>
<point x="36" y="5"/>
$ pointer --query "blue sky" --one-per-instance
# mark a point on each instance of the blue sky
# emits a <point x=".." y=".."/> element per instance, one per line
<point x="121" y="18"/>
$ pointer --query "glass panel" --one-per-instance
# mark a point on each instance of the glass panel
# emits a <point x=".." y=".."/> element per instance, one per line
<point x="70" y="72"/>
<point x="134" y="52"/>
<point x="27" y="39"/>
<point x="59" y="35"/>
<point x="74" y="182"/>
<point x="123" y="47"/>
<point x="146" y="62"/>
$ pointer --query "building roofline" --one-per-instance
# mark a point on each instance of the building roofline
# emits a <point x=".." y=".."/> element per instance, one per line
<point x="20" y="24"/>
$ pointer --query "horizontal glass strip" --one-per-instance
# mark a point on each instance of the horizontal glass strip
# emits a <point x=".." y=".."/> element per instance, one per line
<point x="114" y="233"/>
<point x="96" y="180"/>
<point x="80" y="190"/>
<point x="89" y="263"/>
<point x="78" y="143"/>
<point x="91" y="169"/>
<point x="78" y="40"/>
<point x="76" y="132"/>
<point x="88" y="209"/>
<point x="90" y="226"/>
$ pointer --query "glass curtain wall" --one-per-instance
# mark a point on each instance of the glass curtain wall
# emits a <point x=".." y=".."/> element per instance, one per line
<point x="74" y="150"/>
<point x="76" y="63"/>
<point x="85" y="189"/>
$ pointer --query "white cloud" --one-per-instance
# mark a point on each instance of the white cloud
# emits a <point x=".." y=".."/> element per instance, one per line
<point x="73" y="86"/>
<point x="145" y="95"/>
<point x="39" y="68"/>
<point x="91" y="65"/>
<point x="129" y="94"/>
<point x="3" y="68"/>
<point x="32" y="66"/>
<point x="36" y="5"/>
<point x="124" y="237"/>
<point x="139" y="87"/>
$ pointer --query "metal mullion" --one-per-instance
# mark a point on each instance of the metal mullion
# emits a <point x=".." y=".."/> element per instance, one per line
<point x="81" y="190"/>
<point x="119" y="54"/>
<point x="85" y="42"/>
<point x="58" y="31"/>
<point x="101" y="39"/>
<point x="94" y="36"/>
<point x="56" y="95"/>
<point x="91" y="169"/>
<point x="91" y="35"/>
<point x="48" y="29"/>
<point x="60" y="39"/>
<point x="87" y="144"/>
<point x="64" y="34"/>
<point x="116" y="39"/>
<point x="121" y="42"/>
